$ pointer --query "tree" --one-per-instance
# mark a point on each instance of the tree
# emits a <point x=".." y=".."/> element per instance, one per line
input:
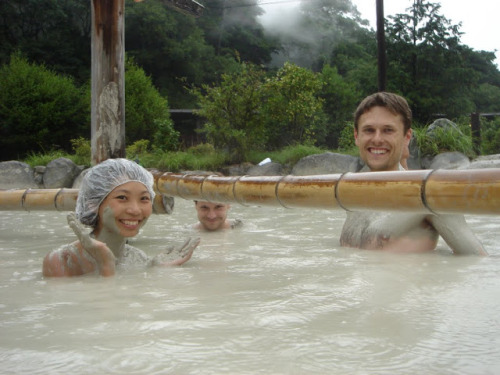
<point x="339" y="100"/>
<point x="39" y="109"/>
<point x="309" y="38"/>
<point x="232" y="26"/>
<point x="51" y="32"/>
<point x="146" y="111"/>
<point x="426" y="64"/>
<point x="234" y="120"/>
<point x="293" y="109"/>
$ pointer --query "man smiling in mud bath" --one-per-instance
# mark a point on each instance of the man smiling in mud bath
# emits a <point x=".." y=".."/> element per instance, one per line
<point x="382" y="131"/>
<point x="213" y="217"/>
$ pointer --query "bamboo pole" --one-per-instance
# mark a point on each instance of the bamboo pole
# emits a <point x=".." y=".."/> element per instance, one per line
<point x="58" y="200"/>
<point x="38" y="199"/>
<point x="421" y="191"/>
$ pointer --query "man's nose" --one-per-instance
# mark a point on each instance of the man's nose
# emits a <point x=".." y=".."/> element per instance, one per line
<point x="377" y="137"/>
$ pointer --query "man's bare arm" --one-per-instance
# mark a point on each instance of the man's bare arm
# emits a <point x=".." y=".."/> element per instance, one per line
<point x="457" y="234"/>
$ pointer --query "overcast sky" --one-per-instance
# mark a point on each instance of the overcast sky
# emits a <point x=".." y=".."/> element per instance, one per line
<point x="479" y="18"/>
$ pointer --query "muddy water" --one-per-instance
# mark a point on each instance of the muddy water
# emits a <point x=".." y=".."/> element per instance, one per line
<point x="277" y="296"/>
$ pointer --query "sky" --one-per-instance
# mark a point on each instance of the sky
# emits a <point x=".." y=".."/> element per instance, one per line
<point x="479" y="18"/>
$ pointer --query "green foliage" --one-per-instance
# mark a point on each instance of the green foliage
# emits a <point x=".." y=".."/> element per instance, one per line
<point x="43" y="158"/>
<point x="166" y="137"/>
<point x="490" y="136"/>
<point x="444" y="140"/>
<point x="137" y="148"/>
<point x="179" y="161"/>
<point x="346" y="140"/>
<point x="340" y="98"/>
<point x="82" y="149"/>
<point x="146" y="111"/>
<point x="48" y="32"/>
<point x="202" y="149"/>
<point x="39" y="109"/>
<point x="426" y="66"/>
<point x="234" y="122"/>
<point x="293" y="109"/>
<point x="309" y="39"/>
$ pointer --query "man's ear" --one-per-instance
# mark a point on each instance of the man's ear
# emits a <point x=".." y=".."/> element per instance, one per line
<point x="355" y="136"/>
<point x="408" y="135"/>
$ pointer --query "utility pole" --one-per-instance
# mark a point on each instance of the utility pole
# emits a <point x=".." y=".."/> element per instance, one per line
<point x="381" y="54"/>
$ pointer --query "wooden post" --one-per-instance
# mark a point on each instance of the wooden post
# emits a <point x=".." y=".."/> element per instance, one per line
<point x="475" y="124"/>
<point x="108" y="80"/>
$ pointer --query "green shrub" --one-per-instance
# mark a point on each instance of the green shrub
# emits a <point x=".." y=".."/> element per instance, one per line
<point x="490" y="136"/>
<point x="137" y="149"/>
<point x="166" y="138"/>
<point x="38" y="158"/>
<point x="40" y="110"/>
<point x="146" y="111"/>
<point x="81" y="148"/>
<point x="201" y="149"/>
<point x="346" y="139"/>
<point x="443" y="140"/>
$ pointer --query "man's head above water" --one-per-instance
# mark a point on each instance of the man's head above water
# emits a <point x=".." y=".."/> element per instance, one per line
<point x="382" y="130"/>
<point x="212" y="216"/>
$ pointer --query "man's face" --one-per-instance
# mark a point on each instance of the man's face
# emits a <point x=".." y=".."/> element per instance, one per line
<point x="381" y="139"/>
<point x="212" y="216"/>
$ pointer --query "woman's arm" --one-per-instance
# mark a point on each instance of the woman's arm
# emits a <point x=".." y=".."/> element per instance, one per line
<point x="81" y="257"/>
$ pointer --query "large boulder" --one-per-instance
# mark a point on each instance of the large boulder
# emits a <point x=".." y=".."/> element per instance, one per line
<point x="487" y="161"/>
<point x="77" y="182"/>
<point x="60" y="173"/>
<point x="237" y="169"/>
<point x="17" y="175"/>
<point x="450" y="160"/>
<point x="326" y="163"/>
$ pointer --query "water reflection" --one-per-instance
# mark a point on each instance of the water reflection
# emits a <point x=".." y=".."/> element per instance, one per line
<point x="275" y="296"/>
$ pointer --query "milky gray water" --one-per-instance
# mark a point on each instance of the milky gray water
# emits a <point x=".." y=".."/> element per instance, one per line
<point x="277" y="296"/>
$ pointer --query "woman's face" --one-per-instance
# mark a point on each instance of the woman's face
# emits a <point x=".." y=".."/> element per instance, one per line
<point x="125" y="210"/>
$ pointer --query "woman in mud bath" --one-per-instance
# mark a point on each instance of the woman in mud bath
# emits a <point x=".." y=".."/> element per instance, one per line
<point x="115" y="200"/>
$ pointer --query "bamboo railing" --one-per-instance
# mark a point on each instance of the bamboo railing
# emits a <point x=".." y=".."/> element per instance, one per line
<point x="421" y="191"/>
<point x="425" y="191"/>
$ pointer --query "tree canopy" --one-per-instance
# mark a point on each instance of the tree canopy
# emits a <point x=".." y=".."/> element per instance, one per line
<point x="310" y="71"/>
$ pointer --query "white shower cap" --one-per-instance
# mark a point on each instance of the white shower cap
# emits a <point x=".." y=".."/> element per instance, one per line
<point x="101" y="179"/>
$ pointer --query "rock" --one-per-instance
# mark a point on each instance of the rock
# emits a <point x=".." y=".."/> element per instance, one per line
<point x="237" y="169"/>
<point x="443" y="124"/>
<point x="39" y="171"/>
<point x="414" y="158"/>
<point x="326" y="163"/>
<point x="17" y="175"/>
<point x="60" y="173"/>
<point x="77" y="182"/>
<point x="450" y="160"/>
<point x="487" y="161"/>
<point x="268" y="169"/>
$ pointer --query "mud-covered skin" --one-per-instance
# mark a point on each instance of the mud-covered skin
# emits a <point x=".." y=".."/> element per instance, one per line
<point x="91" y="256"/>
<point x="388" y="231"/>
<point x="176" y="255"/>
<point x="407" y="232"/>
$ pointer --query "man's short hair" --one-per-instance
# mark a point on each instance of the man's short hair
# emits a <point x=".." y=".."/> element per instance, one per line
<point x="393" y="102"/>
